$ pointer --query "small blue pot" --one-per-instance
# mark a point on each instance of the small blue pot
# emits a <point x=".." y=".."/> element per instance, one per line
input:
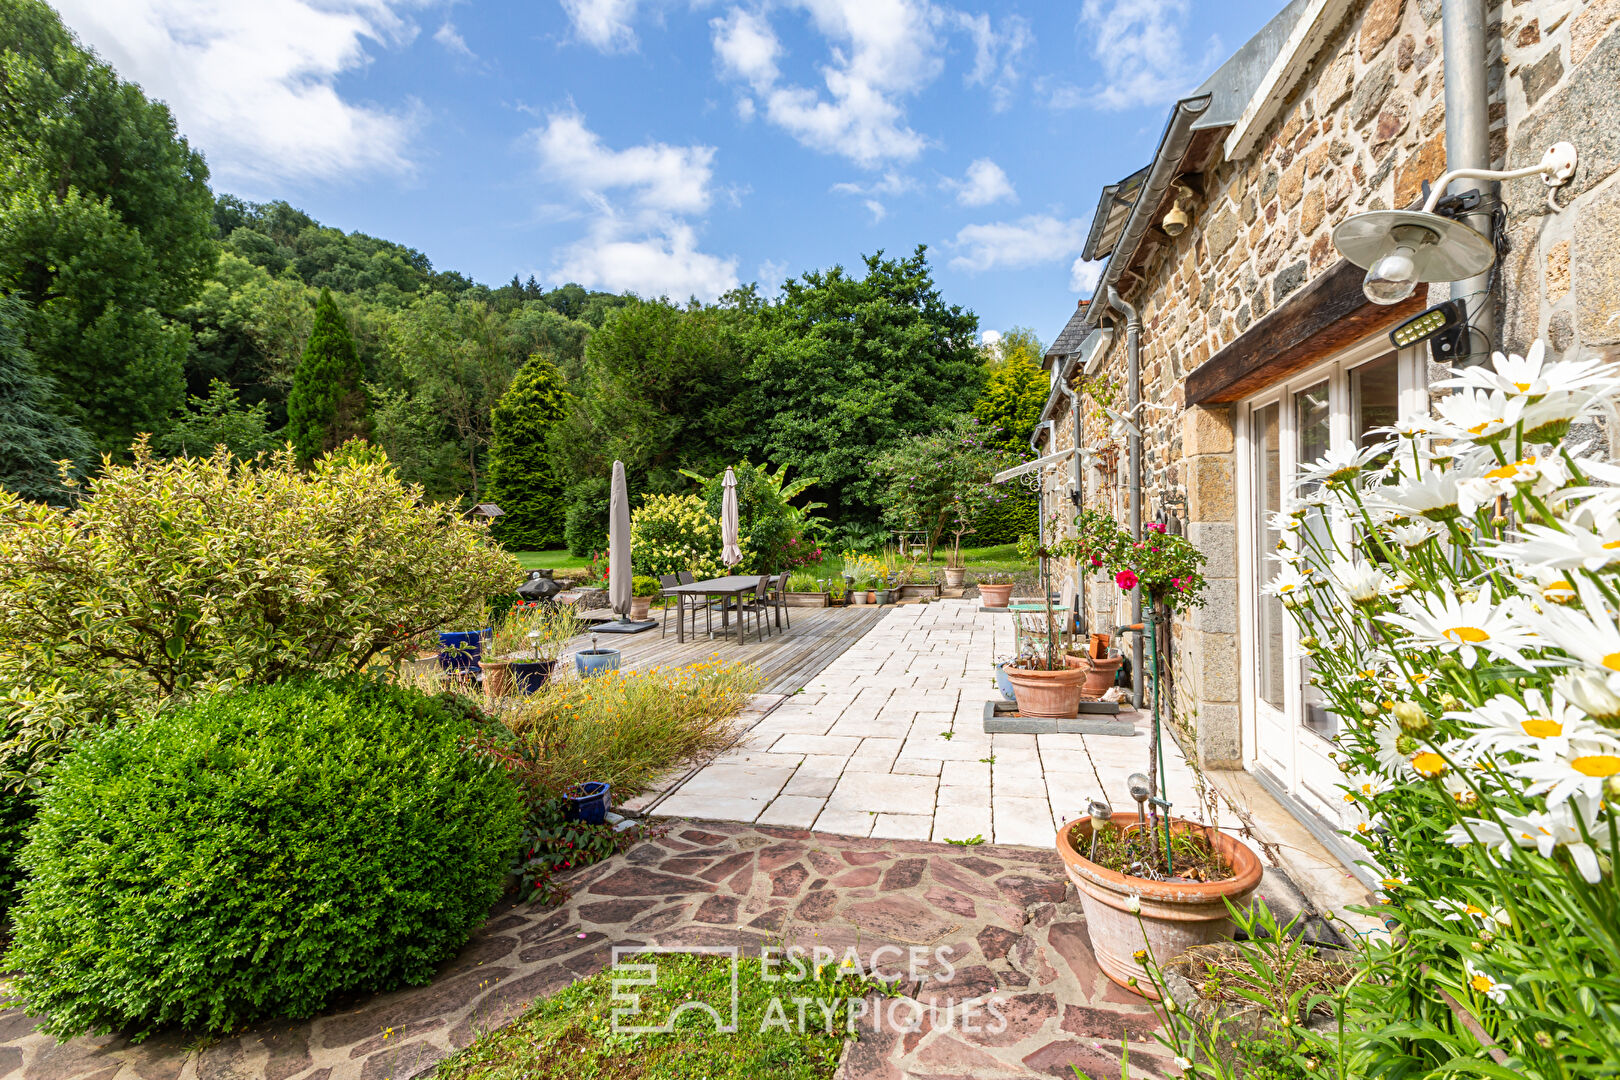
<point x="459" y="650"/>
<point x="590" y="662"/>
<point x="588" y="803"/>
<point x="1004" y="683"/>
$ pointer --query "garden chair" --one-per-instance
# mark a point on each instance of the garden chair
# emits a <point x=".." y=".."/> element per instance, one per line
<point x="669" y="581"/>
<point x="779" y="598"/>
<point x="759" y="606"/>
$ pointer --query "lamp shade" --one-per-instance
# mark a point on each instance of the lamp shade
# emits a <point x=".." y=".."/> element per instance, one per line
<point x="1447" y="250"/>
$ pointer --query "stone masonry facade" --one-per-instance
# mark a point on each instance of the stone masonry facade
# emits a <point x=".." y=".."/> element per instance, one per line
<point x="1361" y="130"/>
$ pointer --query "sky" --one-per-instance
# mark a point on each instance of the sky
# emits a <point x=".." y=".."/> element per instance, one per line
<point x="681" y="147"/>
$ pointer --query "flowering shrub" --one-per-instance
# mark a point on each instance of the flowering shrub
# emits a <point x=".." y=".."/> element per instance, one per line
<point x="1457" y="602"/>
<point x="1167" y="567"/>
<point x="671" y="533"/>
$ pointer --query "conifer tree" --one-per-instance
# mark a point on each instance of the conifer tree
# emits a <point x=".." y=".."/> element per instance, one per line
<point x="327" y="404"/>
<point x="32" y="439"/>
<point x="521" y="480"/>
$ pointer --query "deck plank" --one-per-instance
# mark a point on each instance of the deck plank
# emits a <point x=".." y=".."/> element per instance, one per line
<point x="787" y="660"/>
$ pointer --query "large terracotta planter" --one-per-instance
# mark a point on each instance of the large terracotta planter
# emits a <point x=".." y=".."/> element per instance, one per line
<point x="995" y="595"/>
<point x="954" y="576"/>
<point x="639" y="605"/>
<point x="1175" y="915"/>
<point x="497" y="679"/>
<point x="1046" y="693"/>
<point x="1100" y="675"/>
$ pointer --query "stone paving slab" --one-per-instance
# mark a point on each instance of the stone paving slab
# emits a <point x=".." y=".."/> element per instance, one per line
<point x="1017" y="941"/>
<point x="894" y="726"/>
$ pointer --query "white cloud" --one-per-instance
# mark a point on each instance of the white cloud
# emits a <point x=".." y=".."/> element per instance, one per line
<point x="254" y="84"/>
<point x="1084" y="276"/>
<point x="746" y="46"/>
<point x="770" y="275"/>
<point x="890" y="184"/>
<point x="604" y="24"/>
<point x="1029" y="241"/>
<point x="451" y="39"/>
<point x="985" y="183"/>
<point x="636" y="200"/>
<point x="1139" y="49"/>
<point x="996" y="53"/>
<point x="660" y="177"/>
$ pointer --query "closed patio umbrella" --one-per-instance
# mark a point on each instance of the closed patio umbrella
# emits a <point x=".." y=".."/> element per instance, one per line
<point x="730" y="551"/>
<point x="619" y="545"/>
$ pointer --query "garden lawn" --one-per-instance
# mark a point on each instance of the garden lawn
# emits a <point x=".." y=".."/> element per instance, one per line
<point x="550" y="560"/>
<point x="569" y="1036"/>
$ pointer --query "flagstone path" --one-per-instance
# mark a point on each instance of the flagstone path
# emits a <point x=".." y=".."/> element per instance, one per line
<point x="889" y="742"/>
<point x="1018" y="949"/>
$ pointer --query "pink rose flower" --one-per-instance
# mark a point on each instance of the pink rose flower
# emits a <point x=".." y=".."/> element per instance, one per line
<point x="1125" y="579"/>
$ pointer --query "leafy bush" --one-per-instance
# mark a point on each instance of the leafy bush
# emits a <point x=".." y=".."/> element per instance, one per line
<point x="16" y="812"/>
<point x="253" y="854"/>
<point x="521" y="480"/>
<point x="585" y="524"/>
<point x="641" y="585"/>
<point x="173" y="577"/>
<point x="552" y="845"/>
<point x="671" y="533"/>
<point x="766" y="522"/>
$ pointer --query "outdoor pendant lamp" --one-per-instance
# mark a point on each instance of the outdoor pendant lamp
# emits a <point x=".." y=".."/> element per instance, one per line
<point x="1400" y="248"/>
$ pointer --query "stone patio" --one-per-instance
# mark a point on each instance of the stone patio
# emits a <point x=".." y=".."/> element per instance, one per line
<point x="1016" y="939"/>
<point x="888" y="742"/>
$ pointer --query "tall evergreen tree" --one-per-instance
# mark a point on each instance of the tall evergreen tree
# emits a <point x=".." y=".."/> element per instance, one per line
<point x="521" y="480"/>
<point x="106" y="227"/>
<point x="327" y="405"/>
<point x="1015" y="391"/>
<point x="32" y="439"/>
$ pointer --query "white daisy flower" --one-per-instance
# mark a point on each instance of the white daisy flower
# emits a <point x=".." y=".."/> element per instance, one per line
<point x="1587" y="633"/>
<point x="1535" y="726"/>
<point x="1483" y="982"/>
<point x="1547" y="419"/>
<point x="1589" y="692"/>
<point x="1532" y="376"/>
<point x="1542" y="475"/>
<point x="1559" y="549"/>
<point x="1465" y="627"/>
<point x="1415" y="533"/>
<point x="1359" y="581"/>
<point x="1480" y="416"/>
<point x="1340" y="464"/>
<point x="1432" y="495"/>
<point x="1291" y="586"/>
<point x="1578" y="773"/>
<point x="1543" y="830"/>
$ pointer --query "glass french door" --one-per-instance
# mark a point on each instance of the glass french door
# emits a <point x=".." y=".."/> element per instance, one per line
<point x="1288" y="427"/>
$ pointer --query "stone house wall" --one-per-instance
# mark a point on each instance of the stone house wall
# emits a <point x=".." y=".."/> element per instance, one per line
<point x="1361" y="131"/>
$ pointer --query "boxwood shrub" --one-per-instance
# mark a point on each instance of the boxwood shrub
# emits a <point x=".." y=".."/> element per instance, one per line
<point x="255" y="854"/>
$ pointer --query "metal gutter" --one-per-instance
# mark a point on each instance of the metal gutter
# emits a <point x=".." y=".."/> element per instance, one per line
<point x="1165" y="168"/>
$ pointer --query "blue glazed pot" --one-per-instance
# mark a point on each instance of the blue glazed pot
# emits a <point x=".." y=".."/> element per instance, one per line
<point x="590" y="662"/>
<point x="530" y="675"/>
<point x="459" y="650"/>
<point x="1003" y="683"/>
<point x="588" y="803"/>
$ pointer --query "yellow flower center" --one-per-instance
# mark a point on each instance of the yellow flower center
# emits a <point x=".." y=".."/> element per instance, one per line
<point x="1286" y="588"/>
<point x="1472" y="910"/>
<point x="1612" y="661"/>
<point x="1431" y="764"/>
<point x="1481" y="984"/>
<point x="1482" y="425"/>
<point x="1467" y="635"/>
<point x="1611" y="545"/>
<point x="1523" y="386"/>
<point x="1596" y="765"/>
<point x="1506" y="472"/>
<point x="1392" y="882"/>
<point x="1542" y="728"/>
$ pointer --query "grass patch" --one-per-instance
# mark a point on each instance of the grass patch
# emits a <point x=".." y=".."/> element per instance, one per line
<point x="998" y="559"/>
<point x="550" y="560"/>
<point x="626" y="727"/>
<point x="569" y="1036"/>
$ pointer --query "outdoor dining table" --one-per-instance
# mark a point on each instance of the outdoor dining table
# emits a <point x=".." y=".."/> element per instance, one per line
<point x="731" y="587"/>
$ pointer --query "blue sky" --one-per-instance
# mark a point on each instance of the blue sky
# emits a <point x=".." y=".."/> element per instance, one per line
<point x="681" y="147"/>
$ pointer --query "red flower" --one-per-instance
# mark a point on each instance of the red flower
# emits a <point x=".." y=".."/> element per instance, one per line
<point x="1125" y="579"/>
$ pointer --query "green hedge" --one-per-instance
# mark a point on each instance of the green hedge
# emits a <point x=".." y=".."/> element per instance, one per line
<point x="1007" y="520"/>
<point x="256" y="854"/>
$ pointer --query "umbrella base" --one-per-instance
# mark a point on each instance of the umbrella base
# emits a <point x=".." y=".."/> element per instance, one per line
<point x="622" y="626"/>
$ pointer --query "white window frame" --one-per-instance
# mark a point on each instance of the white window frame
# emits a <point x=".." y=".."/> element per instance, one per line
<point x="1412" y="376"/>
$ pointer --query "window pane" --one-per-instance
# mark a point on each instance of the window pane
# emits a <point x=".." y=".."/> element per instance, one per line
<point x="1311" y="416"/>
<point x="1375" y="398"/>
<point x="1268" y="500"/>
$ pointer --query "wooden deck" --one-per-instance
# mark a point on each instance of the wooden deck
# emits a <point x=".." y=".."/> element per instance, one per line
<point x="788" y="659"/>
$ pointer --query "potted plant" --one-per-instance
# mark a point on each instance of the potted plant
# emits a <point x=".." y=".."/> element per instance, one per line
<point x="546" y="638"/>
<point x="588" y="803"/>
<point x="887" y="587"/>
<point x="595" y="660"/>
<point x="642" y="591"/>
<point x="962" y="512"/>
<point x="1197" y="871"/>
<point x="460" y="650"/>
<point x="995" y="589"/>
<point x="1045" y="685"/>
<point x="805" y="590"/>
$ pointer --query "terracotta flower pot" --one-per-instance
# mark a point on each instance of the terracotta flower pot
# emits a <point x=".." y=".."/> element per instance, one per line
<point x="954" y="576"/>
<point x="638" y="607"/>
<point x="995" y="595"/>
<point x="1046" y="693"/>
<point x="1100" y="675"/>
<point x="497" y="679"/>
<point x="1174" y="915"/>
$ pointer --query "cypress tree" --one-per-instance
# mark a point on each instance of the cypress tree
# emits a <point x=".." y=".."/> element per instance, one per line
<point x="32" y="439"/>
<point x="521" y="480"/>
<point x="327" y="404"/>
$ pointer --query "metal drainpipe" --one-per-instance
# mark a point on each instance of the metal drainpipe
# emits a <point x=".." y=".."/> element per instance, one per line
<point x="1133" y="401"/>
<point x="1468" y="138"/>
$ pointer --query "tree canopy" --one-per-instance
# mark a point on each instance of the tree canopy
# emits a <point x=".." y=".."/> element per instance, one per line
<point x="32" y="439"/>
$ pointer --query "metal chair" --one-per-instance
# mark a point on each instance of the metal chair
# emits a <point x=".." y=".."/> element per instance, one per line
<point x="780" y="597"/>
<point x="759" y="607"/>
<point x="669" y="581"/>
